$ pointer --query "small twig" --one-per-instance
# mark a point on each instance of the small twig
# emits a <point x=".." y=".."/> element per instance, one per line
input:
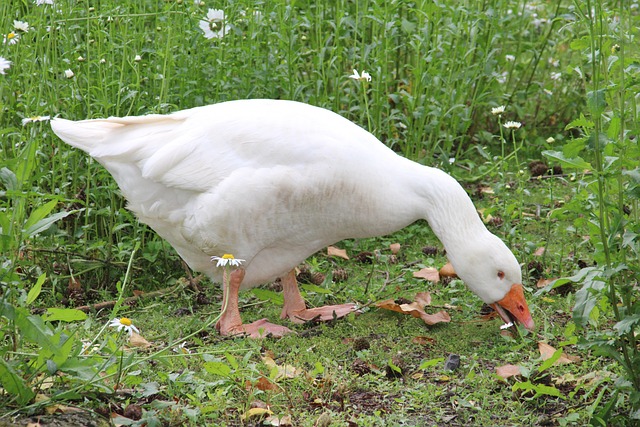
<point x="129" y="300"/>
<point x="559" y="175"/>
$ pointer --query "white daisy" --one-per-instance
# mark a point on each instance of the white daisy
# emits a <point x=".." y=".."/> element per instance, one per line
<point x="510" y="58"/>
<point x="5" y="64"/>
<point x="555" y="76"/>
<point x="11" y="38"/>
<point x="498" y="110"/>
<point x="41" y="2"/>
<point x="137" y="58"/>
<point x="68" y="74"/>
<point x="364" y="76"/>
<point x="213" y="24"/>
<point x="512" y="125"/>
<point x="182" y="349"/>
<point x="21" y="25"/>
<point x="126" y="324"/>
<point x="227" y="259"/>
<point x="35" y="119"/>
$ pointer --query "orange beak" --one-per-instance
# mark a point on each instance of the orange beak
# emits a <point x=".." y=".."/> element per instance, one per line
<point x="516" y="306"/>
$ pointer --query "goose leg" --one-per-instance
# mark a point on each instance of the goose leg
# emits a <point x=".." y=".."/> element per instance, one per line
<point x="295" y="309"/>
<point x="230" y="322"/>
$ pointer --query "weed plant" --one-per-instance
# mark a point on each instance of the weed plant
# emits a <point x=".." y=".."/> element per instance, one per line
<point x="566" y="71"/>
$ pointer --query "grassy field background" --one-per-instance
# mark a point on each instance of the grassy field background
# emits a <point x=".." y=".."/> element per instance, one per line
<point x="567" y="72"/>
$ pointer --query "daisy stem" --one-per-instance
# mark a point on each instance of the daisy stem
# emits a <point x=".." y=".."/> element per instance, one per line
<point x="121" y="362"/>
<point x="122" y="287"/>
<point x="366" y="106"/>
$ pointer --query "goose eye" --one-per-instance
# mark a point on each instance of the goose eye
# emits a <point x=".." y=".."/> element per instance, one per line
<point x="500" y="275"/>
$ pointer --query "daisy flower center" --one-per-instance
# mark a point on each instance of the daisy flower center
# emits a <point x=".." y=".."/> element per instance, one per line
<point x="126" y="321"/>
<point x="11" y="35"/>
<point x="228" y="256"/>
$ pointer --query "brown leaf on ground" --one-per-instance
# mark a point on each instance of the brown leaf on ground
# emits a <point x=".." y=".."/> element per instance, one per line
<point x="448" y="271"/>
<point x="283" y="371"/>
<point x="546" y="351"/>
<point x="264" y="384"/>
<point x="416" y="309"/>
<point x="395" y="248"/>
<point x="136" y="340"/>
<point x="543" y="282"/>
<point x="507" y="371"/>
<point x="421" y="340"/>
<point x="428" y="273"/>
<point x="337" y="252"/>
<point x="539" y="251"/>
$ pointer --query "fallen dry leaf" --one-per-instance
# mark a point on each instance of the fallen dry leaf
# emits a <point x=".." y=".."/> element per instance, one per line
<point x="543" y="282"/>
<point x="395" y="248"/>
<point x="416" y="309"/>
<point x="283" y="371"/>
<point x="340" y="253"/>
<point x="448" y="271"/>
<point x="485" y="218"/>
<point x="136" y="340"/>
<point x="274" y="420"/>
<point x="423" y="340"/>
<point x="546" y="351"/>
<point x="264" y="384"/>
<point x="428" y="273"/>
<point x="507" y="371"/>
<point x="539" y="251"/>
<point x="256" y="412"/>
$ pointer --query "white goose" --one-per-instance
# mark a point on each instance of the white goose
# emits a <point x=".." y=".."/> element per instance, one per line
<point x="272" y="182"/>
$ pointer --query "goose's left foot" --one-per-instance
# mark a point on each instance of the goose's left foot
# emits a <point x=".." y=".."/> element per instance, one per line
<point x="295" y="309"/>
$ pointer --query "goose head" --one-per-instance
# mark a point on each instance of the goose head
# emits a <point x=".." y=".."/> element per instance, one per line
<point x="492" y="272"/>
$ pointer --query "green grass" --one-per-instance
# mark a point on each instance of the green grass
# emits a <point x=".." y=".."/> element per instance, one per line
<point x="437" y="70"/>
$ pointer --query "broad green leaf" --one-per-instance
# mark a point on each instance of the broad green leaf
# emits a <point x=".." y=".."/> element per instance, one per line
<point x="596" y="102"/>
<point x="574" y="163"/>
<point x="217" y="368"/>
<point x="580" y="44"/>
<point x="267" y="295"/>
<point x="40" y="213"/>
<point x="626" y="325"/>
<point x="581" y="122"/>
<point x="14" y="384"/>
<point x="232" y="360"/>
<point x="431" y="362"/>
<point x="634" y="174"/>
<point x="550" y="361"/>
<point x="314" y="288"/>
<point x="574" y="147"/>
<point x="64" y="315"/>
<point x="33" y="329"/>
<point x="36" y="289"/>
<point x="614" y="128"/>
<point x="45" y="223"/>
<point x="8" y="179"/>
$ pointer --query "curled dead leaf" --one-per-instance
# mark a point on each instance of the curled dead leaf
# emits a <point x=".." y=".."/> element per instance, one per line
<point x="539" y="251"/>
<point x="547" y="351"/>
<point x="283" y="371"/>
<point x="337" y="252"/>
<point x="395" y="248"/>
<point x="136" y="340"/>
<point x="416" y="309"/>
<point x="507" y="371"/>
<point x="264" y="384"/>
<point x="428" y="273"/>
<point x="256" y="412"/>
<point x="543" y="282"/>
<point x="447" y="271"/>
